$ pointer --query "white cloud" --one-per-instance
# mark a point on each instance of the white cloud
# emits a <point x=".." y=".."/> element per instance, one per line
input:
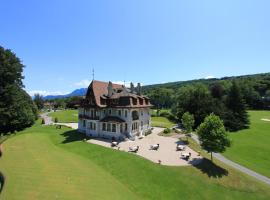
<point x="126" y="83"/>
<point x="44" y="93"/>
<point x="209" y="77"/>
<point x="83" y="83"/>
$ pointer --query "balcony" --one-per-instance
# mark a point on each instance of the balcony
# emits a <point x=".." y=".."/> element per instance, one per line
<point x="81" y="116"/>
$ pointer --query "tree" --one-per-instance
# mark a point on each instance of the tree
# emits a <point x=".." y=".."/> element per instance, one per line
<point x="188" y="122"/>
<point x="38" y="99"/>
<point x="212" y="135"/>
<point x="236" y="117"/>
<point x="195" y="99"/>
<point x="17" y="110"/>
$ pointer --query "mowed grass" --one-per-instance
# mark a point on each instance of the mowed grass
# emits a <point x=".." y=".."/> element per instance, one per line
<point x="251" y="147"/>
<point x="162" y="122"/>
<point x="48" y="163"/>
<point x="65" y="116"/>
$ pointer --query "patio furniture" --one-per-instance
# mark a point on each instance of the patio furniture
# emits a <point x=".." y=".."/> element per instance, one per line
<point x="114" y="144"/>
<point x="134" y="149"/>
<point x="186" y="156"/>
<point x="154" y="147"/>
<point x="180" y="147"/>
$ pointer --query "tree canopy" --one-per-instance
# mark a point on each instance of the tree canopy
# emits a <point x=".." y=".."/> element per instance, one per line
<point x="17" y="110"/>
<point x="212" y="135"/>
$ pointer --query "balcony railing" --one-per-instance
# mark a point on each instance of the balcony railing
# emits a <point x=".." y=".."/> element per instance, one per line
<point x="88" y="117"/>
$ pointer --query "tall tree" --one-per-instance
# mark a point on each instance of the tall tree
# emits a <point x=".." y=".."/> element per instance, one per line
<point x="195" y="99"/>
<point x="236" y="117"/>
<point x="38" y="99"/>
<point x="212" y="135"/>
<point x="188" y="123"/>
<point x="17" y="109"/>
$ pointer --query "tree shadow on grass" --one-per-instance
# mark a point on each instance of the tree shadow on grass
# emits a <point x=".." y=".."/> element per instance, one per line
<point x="2" y="181"/>
<point x="72" y="136"/>
<point x="211" y="169"/>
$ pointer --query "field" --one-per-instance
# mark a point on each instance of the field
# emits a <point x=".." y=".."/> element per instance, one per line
<point x="251" y="147"/>
<point x="67" y="116"/>
<point x="48" y="163"/>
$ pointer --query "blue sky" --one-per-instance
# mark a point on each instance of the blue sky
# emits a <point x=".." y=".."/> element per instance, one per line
<point x="147" y="41"/>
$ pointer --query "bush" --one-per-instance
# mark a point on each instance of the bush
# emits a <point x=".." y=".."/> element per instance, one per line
<point x="148" y="132"/>
<point x="43" y="121"/>
<point x="56" y="120"/>
<point x="168" y="115"/>
<point x="167" y="131"/>
<point x="177" y="131"/>
<point x="165" y="114"/>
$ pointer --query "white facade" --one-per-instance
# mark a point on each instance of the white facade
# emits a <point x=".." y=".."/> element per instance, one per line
<point x="122" y="122"/>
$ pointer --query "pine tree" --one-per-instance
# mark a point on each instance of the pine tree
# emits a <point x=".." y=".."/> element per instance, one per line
<point x="236" y="117"/>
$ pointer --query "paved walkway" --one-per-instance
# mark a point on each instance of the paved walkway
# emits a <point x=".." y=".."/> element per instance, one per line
<point x="235" y="165"/>
<point x="167" y="153"/>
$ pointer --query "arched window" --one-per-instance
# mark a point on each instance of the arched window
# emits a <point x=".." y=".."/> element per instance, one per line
<point x="135" y="115"/>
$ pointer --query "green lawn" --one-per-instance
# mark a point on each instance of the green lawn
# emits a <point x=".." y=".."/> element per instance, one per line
<point x="65" y="116"/>
<point x="162" y="122"/>
<point x="48" y="163"/>
<point x="251" y="147"/>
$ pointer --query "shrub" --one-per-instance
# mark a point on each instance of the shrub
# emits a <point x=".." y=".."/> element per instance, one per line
<point x="56" y="120"/>
<point x="148" y="132"/>
<point x="43" y="121"/>
<point x="177" y="131"/>
<point x="167" y="131"/>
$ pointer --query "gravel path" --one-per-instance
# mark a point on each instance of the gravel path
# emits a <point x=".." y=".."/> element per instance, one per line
<point x="235" y="165"/>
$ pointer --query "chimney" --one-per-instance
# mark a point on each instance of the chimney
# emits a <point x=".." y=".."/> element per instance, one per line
<point x="139" y="89"/>
<point x="131" y="87"/>
<point x="110" y="89"/>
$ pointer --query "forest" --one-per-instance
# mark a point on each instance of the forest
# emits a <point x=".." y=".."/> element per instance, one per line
<point x="227" y="97"/>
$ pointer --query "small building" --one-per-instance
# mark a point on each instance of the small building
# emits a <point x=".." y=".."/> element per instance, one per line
<point x="114" y="112"/>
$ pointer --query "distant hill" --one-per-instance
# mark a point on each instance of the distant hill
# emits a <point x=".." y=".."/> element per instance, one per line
<point x="77" y="92"/>
<point x="177" y="84"/>
<point x="172" y="85"/>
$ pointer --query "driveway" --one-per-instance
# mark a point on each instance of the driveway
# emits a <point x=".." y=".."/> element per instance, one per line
<point x="167" y="153"/>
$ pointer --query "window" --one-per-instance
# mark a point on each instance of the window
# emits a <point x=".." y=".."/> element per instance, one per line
<point x="83" y="123"/>
<point x="119" y="112"/>
<point x="92" y="113"/>
<point x="113" y="127"/>
<point x="109" y="127"/>
<point x="110" y="112"/>
<point x="121" y="128"/>
<point x="126" y="126"/>
<point x="104" y="112"/>
<point x="135" y="115"/>
<point x="141" y="113"/>
<point x="142" y="125"/>
<point x="94" y="127"/>
<point x="125" y="113"/>
<point x="135" y="126"/>
<point x="104" y="126"/>
<point x="91" y="126"/>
